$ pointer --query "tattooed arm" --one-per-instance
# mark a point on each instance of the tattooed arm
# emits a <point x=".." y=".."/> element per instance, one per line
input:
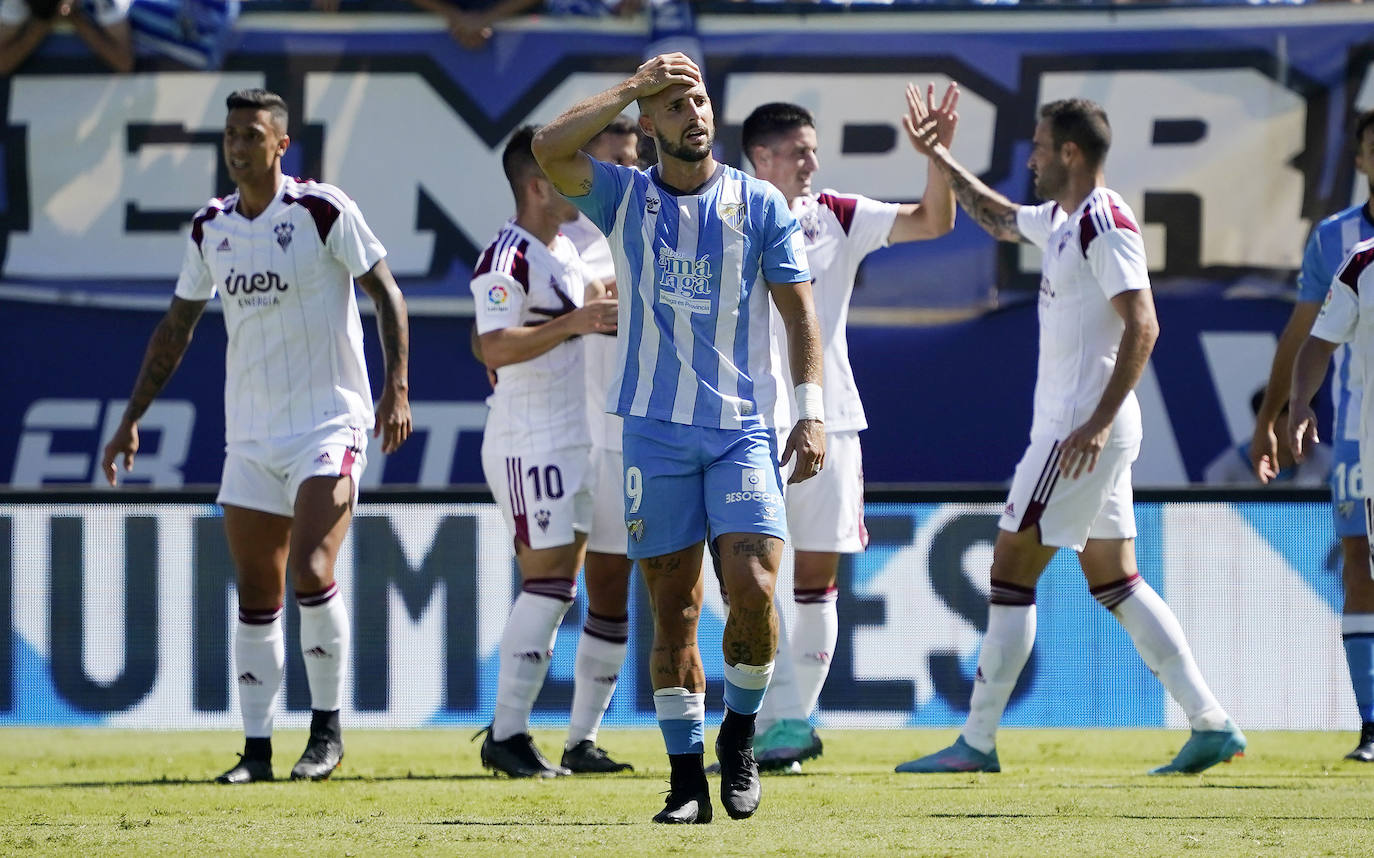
<point x="393" y="409"/>
<point x="165" y="349"/>
<point x="993" y="212"/>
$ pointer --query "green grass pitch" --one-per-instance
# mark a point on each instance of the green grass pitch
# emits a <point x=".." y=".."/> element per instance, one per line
<point x="1062" y="792"/>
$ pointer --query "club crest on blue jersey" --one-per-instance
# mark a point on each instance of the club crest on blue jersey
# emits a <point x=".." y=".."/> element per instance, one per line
<point x="651" y="203"/>
<point x="732" y="214"/>
<point x="283" y="231"/>
<point x="636" y="528"/>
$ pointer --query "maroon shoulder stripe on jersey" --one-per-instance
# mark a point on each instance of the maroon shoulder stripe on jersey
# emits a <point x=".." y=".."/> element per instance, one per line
<point x="484" y="262"/>
<point x="1122" y="220"/>
<point x="1098" y="219"/>
<point x="843" y="207"/>
<point x="323" y="211"/>
<point x="1355" y="266"/>
<point x="1087" y="230"/>
<point x="198" y="223"/>
<point x="507" y="255"/>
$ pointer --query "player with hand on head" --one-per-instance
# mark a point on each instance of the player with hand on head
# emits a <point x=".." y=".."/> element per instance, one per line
<point x="825" y="514"/>
<point x="283" y="255"/>
<point x="534" y="301"/>
<point x="698" y="247"/>
<point x="1328" y="245"/>
<point x="605" y="635"/>
<point x="1072" y="488"/>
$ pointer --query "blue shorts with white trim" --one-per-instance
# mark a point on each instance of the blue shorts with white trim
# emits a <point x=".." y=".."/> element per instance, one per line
<point x="683" y="482"/>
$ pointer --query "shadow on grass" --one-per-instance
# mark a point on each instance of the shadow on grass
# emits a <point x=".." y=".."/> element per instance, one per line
<point x="522" y="823"/>
<point x="170" y="782"/>
<point x="1237" y="817"/>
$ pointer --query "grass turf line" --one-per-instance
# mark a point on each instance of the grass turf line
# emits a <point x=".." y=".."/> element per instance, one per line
<point x="1061" y="792"/>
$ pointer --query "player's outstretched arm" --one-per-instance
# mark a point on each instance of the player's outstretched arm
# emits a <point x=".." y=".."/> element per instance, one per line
<point x="557" y="146"/>
<point x="1081" y="449"/>
<point x="393" y="325"/>
<point x="992" y="211"/>
<point x="1264" y="445"/>
<point x="1309" y="368"/>
<point x="807" y="439"/>
<point x="933" y="216"/>
<point x="505" y="346"/>
<point x="162" y="357"/>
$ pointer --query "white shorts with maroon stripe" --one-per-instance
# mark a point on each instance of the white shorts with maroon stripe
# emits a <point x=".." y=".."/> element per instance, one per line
<point x="826" y="512"/>
<point x="545" y="497"/>
<point x="266" y="475"/>
<point x="1069" y="512"/>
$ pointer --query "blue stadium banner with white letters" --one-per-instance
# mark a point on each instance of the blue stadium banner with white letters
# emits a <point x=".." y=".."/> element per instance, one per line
<point x="122" y="614"/>
<point x="1229" y="145"/>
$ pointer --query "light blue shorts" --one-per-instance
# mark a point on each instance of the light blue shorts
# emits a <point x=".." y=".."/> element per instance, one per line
<point x="684" y="482"/>
<point x="1347" y="489"/>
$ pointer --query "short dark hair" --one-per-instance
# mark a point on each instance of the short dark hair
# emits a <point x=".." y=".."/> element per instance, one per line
<point x="518" y="158"/>
<point x="1363" y="123"/>
<point x="620" y="127"/>
<point x="260" y="99"/>
<point x="770" y="120"/>
<point x="1081" y="122"/>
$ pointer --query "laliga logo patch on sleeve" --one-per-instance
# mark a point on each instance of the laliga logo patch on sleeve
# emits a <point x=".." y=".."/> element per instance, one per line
<point x="498" y="298"/>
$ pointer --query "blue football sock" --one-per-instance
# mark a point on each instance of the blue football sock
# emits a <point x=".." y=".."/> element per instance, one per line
<point x="682" y="720"/>
<point x="1359" y="655"/>
<point x="745" y="685"/>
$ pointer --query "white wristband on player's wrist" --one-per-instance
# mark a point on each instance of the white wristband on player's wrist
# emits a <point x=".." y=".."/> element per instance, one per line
<point x="810" y="405"/>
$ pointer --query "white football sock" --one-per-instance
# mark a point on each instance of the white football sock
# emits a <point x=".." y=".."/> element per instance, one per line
<point x="259" y="656"/>
<point x="813" y="646"/>
<point x="1006" y="646"/>
<point x="782" y="699"/>
<point x="1159" y="639"/>
<point x="600" y="656"/>
<point x="526" y="649"/>
<point x="325" y="633"/>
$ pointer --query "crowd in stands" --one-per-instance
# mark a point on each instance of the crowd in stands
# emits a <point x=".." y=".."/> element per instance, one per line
<point x="195" y="33"/>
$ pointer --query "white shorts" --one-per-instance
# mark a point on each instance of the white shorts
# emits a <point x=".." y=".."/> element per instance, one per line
<point x="544" y="497"/>
<point x="607" y="480"/>
<point x="826" y="512"/>
<point x="266" y="475"/>
<point x="1070" y="512"/>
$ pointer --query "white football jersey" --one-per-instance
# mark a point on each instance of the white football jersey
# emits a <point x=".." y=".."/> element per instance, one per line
<point x="541" y="403"/>
<point x="285" y="281"/>
<point x="1091" y="255"/>
<point x="600" y="349"/>
<point x="1347" y="316"/>
<point x="840" y="230"/>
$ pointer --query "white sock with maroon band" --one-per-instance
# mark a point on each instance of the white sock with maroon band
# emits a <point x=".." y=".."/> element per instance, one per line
<point x="526" y="648"/>
<point x="1006" y="646"/>
<point x="259" y="655"/>
<point x="600" y="656"/>
<point x="1159" y="639"/>
<point x="782" y="701"/>
<point x="813" y="643"/>
<point x="325" y="634"/>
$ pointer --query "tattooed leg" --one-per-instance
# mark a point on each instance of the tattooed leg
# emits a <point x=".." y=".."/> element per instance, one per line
<point x="750" y="569"/>
<point x="675" y="592"/>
